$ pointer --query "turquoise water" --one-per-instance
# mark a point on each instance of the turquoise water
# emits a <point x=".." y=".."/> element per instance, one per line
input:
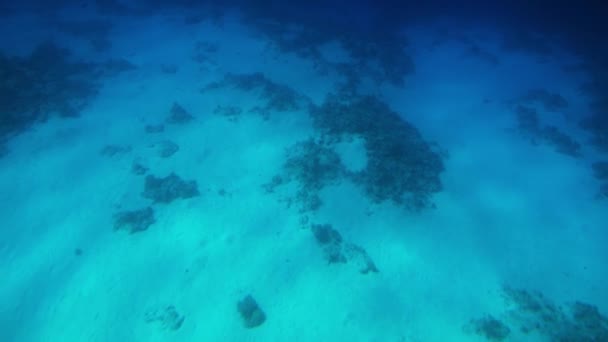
<point x="185" y="171"/>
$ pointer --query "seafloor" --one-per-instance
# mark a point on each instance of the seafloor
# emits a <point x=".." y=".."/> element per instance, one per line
<point x="185" y="175"/>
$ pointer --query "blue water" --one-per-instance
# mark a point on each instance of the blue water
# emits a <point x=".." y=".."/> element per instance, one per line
<point x="315" y="171"/>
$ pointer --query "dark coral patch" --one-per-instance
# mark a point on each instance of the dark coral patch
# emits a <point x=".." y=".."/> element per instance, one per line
<point x="169" y="188"/>
<point x="134" y="221"/>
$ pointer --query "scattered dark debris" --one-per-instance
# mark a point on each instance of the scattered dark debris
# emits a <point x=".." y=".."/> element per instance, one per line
<point x="358" y="255"/>
<point x="597" y="90"/>
<point x="529" y="126"/>
<point x="532" y="313"/>
<point x="528" y="122"/>
<point x="312" y="164"/>
<point x="476" y="51"/>
<point x="528" y="42"/>
<point x="579" y="322"/>
<point x="168" y="317"/>
<point x="551" y="102"/>
<point x="166" y="148"/>
<point x="562" y="143"/>
<point x="276" y="181"/>
<point x="253" y="316"/>
<point x="169" y="68"/>
<point x="167" y="189"/>
<point x="155" y="128"/>
<point x="232" y="113"/>
<point x="134" y="221"/>
<point x="138" y="169"/>
<point x="113" y="150"/>
<point x="277" y="97"/>
<point x="379" y="54"/>
<point x="45" y="84"/>
<point x="263" y="112"/>
<point x="113" y="67"/>
<point x="94" y="31"/>
<point x="600" y="170"/>
<point x="330" y="241"/>
<point x="203" y="52"/>
<point x="603" y="190"/>
<point x="490" y="328"/>
<point x="336" y="250"/>
<point x="179" y="115"/>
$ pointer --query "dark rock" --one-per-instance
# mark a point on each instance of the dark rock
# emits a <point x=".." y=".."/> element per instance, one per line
<point x="168" y="317"/>
<point x="168" y="189"/>
<point x="155" y="128"/>
<point x="250" y="311"/>
<point x="179" y="115"/>
<point x="134" y="221"/>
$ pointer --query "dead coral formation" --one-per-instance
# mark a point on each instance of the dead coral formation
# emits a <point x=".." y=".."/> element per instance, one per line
<point x="313" y="166"/>
<point x="562" y="143"/>
<point x="582" y="322"/>
<point x="402" y="166"/>
<point x="379" y="54"/>
<point x="169" y="188"/>
<point x="154" y="128"/>
<point x="113" y="150"/>
<point x="232" y="113"/>
<point x="490" y="328"/>
<point x="138" y="169"/>
<point x="168" y="317"/>
<point x="551" y="102"/>
<point x="134" y="221"/>
<point x="600" y="170"/>
<point x="528" y="122"/>
<point x="330" y="241"/>
<point x="335" y="250"/>
<point x="46" y="83"/>
<point x="277" y="97"/>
